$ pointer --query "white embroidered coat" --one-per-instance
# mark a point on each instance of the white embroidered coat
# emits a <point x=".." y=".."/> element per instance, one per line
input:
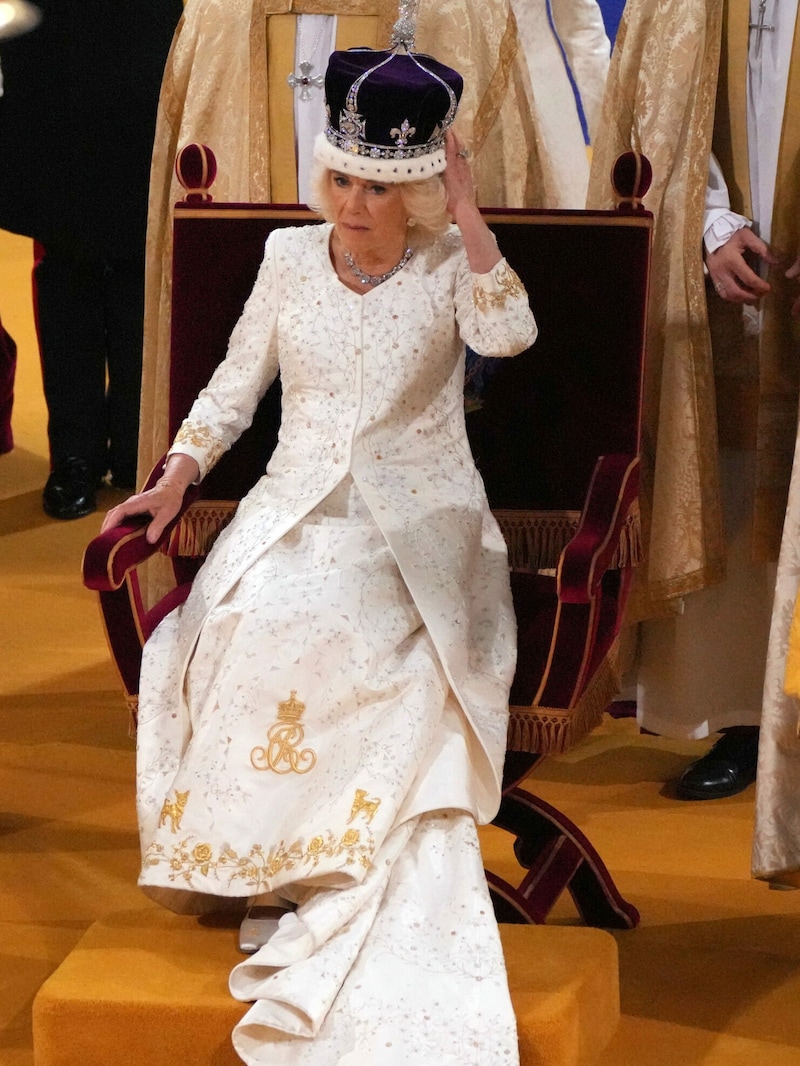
<point x="373" y="386"/>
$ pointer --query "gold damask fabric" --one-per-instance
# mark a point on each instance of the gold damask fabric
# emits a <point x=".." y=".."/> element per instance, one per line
<point x="769" y="386"/>
<point x="660" y="101"/>
<point x="779" y="378"/>
<point x="498" y="117"/>
<point x="679" y="72"/>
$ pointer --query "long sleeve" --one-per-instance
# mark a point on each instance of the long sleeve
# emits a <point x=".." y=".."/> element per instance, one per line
<point x="719" y="221"/>
<point x="493" y="312"/>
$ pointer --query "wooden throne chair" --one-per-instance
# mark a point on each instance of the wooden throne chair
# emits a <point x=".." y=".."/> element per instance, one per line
<point x="555" y="433"/>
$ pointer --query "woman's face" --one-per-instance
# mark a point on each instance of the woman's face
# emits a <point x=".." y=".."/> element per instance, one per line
<point x="365" y="212"/>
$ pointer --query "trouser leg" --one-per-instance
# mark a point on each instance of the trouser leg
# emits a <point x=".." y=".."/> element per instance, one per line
<point x="124" y="304"/>
<point x="70" y="316"/>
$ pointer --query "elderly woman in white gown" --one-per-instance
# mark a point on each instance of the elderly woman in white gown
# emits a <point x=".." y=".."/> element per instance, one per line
<point x="323" y="723"/>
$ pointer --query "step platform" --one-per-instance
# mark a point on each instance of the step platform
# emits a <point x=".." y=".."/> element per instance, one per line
<point x="150" y="988"/>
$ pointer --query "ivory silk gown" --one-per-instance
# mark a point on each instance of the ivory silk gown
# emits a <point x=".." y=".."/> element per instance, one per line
<point x="326" y="715"/>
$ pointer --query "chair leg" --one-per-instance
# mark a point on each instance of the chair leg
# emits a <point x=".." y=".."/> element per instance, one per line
<point x="557" y="856"/>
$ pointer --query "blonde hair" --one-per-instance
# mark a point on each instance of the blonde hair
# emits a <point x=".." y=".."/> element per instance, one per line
<point x="424" y="201"/>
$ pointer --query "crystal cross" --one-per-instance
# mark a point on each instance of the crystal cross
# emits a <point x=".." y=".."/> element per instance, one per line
<point x="304" y="82"/>
<point x="759" y="26"/>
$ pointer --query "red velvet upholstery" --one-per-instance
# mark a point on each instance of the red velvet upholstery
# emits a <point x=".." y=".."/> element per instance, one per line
<point x="555" y="433"/>
<point x="196" y="168"/>
<point x="230" y="239"/>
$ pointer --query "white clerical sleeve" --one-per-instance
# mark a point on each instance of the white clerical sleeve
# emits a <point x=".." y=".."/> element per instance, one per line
<point x="719" y="221"/>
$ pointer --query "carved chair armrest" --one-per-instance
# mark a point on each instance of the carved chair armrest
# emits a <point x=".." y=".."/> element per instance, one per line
<point x="608" y="534"/>
<point x="111" y="556"/>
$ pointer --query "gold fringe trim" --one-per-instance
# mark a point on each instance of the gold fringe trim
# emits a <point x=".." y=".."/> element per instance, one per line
<point x="132" y="703"/>
<point x="199" y="527"/>
<point x="629" y="546"/>
<point x="555" y="730"/>
<point x="536" y="539"/>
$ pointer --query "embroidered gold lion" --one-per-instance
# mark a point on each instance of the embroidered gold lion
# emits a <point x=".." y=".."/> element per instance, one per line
<point x="362" y="805"/>
<point x="173" y="809"/>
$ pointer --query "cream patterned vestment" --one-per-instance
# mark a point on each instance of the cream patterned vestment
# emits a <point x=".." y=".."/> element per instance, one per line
<point x="666" y="48"/>
<point x="340" y="670"/>
<point x="776" y="841"/>
<point x="660" y="101"/>
<point x="562" y="40"/>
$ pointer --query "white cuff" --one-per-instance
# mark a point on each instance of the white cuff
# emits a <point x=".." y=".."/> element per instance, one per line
<point x="721" y="224"/>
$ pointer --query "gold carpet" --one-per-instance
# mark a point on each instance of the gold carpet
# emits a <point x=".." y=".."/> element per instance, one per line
<point x="150" y="988"/>
<point x="711" y="977"/>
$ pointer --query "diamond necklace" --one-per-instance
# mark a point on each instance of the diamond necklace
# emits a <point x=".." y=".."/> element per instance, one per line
<point x="375" y="279"/>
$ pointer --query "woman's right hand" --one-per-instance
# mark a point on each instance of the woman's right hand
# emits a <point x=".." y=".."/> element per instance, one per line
<point x="162" y="502"/>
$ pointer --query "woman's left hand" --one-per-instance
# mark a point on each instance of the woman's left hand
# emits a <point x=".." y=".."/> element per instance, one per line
<point x="458" y="183"/>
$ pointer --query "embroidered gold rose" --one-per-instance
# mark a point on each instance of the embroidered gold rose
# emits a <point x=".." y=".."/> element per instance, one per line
<point x="282" y="753"/>
<point x="187" y="860"/>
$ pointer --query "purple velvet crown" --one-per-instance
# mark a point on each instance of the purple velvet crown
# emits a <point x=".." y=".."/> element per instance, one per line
<point x="388" y="113"/>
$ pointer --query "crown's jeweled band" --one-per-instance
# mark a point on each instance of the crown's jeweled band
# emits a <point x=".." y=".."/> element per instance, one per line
<point x="378" y="169"/>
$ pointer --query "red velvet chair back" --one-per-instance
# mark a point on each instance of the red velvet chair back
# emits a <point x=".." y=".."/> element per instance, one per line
<point x="217" y="252"/>
<point x="547" y="416"/>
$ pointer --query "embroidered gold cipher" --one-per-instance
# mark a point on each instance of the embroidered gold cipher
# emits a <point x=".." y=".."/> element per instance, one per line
<point x="284" y="738"/>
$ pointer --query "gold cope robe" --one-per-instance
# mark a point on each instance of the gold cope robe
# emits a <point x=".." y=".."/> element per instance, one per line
<point x="677" y="79"/>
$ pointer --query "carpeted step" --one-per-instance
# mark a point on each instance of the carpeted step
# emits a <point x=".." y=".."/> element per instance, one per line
<point x="149" y="988"/>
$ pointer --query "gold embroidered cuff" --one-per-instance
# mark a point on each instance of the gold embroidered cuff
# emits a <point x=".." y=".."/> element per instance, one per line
<point x="200" y="443"/>
<point x="491" y="291"/>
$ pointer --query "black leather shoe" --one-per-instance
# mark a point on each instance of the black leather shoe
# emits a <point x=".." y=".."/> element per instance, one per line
<point x="726" y="769"/>
<point x="70" y="491"/>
